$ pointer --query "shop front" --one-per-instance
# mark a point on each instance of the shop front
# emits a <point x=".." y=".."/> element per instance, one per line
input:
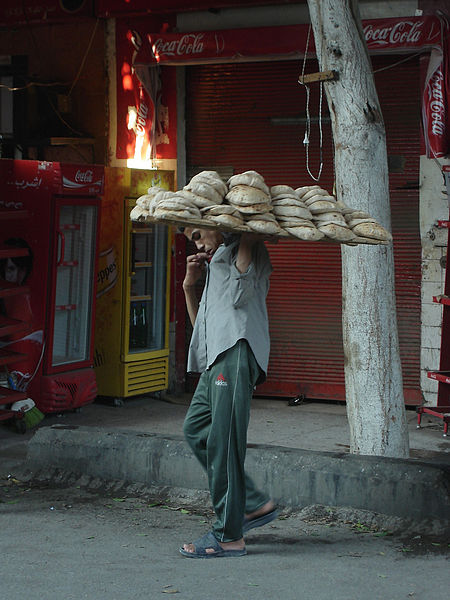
<point x="240" y="107"/>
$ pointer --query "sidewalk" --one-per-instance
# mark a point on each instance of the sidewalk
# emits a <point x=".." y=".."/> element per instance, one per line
<point x="299" y="453"/>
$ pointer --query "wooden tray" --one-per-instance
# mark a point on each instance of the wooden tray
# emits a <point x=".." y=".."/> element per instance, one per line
<point x="205" y="224"/>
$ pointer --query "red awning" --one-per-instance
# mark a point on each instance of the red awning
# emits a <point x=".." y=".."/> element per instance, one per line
<point x="406" y="35"/>
<point x="288" y="41"/>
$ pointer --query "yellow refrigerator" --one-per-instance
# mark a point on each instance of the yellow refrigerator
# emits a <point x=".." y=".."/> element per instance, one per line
<point x="131" y="355"/>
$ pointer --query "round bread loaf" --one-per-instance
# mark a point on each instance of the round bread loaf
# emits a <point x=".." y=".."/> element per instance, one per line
<point x="205" y="190"/>
<point x="246" y="195"/>
<point x="309" y="234"/>
<point x="250" y="178"/>
<point x="337" y="232"/>
<point x="372" y="230"/>
<point x="277" y="190"/>
<point x="262" y="226"/>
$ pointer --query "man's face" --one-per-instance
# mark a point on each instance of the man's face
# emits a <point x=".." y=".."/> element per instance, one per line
<point x="206" y="240"/>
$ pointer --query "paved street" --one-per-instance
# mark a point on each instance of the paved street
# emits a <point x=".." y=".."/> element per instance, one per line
<point x="76" y="543"/>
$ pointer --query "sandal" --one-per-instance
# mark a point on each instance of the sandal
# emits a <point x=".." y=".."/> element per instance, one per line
<point x="259" y="521"/>
<point x="208" y="542"/>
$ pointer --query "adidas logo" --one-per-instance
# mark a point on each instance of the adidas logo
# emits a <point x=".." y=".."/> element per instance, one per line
<point x="221" y="380"/>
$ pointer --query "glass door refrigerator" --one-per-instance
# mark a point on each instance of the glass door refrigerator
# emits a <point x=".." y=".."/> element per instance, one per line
<point x="51" y="210"/>
<point x="133" y="294"/>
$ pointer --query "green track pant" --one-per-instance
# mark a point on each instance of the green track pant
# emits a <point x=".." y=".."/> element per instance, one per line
<point x="216" y="429"/>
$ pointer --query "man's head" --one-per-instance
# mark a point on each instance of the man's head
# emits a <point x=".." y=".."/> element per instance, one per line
<point x="206" y="240"/>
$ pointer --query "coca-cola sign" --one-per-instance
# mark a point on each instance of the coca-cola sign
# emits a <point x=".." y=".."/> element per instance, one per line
<point x="189" y="43"/>
<point x="80" y="179"/>
<point x="403" y="32"/>
<point x="436" y="103"/>
<point x="412" y="34"/>
<point x="84" y="176"/>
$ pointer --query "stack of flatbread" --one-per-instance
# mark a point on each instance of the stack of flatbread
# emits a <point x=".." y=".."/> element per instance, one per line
<point x="326" y="214"/>
<point x="250" y="196"/>
<point x="245" y="203"/>
<point x="365" y="228"/>
<point x="292" y="213"/>
<point x="173" y="205"/>
<point x="145" y="204"/>
<point x="205" y="189"/>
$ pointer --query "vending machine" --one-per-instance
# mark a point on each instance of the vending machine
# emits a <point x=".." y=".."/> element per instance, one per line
<point x="49" y="218"/>
<point x="133" y="293"/>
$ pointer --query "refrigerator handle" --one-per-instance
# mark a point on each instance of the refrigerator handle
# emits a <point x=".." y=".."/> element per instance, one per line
<point x="133" y="254"/>
<point x="62" y="249"/>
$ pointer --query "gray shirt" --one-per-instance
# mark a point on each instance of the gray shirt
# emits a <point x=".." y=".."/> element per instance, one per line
<point x="232" y="307"/>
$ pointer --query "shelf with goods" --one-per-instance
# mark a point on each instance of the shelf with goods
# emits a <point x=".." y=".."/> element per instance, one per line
<point x="10" y="326"/>
<point x="442" y="375"/>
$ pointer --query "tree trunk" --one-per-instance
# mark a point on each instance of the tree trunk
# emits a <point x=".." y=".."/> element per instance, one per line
<point x="373" y="377"/>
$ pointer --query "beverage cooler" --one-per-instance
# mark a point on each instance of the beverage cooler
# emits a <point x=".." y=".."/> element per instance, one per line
<point x="49" y="216"/>
<point x="132" y="321"/>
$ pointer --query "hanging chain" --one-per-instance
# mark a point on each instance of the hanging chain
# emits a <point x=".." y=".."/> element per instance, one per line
<point x="308" y="117"/>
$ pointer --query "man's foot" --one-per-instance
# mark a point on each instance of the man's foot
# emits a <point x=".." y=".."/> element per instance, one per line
<point x="265" y="514"/>
<point x="262" y="510"/>
<point x="208" y="547"/>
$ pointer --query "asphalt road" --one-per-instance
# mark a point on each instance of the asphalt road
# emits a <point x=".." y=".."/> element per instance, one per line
<point x="74" y="543"/>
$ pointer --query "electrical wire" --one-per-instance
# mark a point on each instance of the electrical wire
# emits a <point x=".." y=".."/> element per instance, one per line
<point x="308" y="116"/>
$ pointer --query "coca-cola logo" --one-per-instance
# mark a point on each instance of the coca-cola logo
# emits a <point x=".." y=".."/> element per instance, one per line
<point x="84" y="176"/>
<point x="436" y="103"/>
<point x="190" y="43"/>
<point x="404" y="32"/>
<point x="141" y="119"/>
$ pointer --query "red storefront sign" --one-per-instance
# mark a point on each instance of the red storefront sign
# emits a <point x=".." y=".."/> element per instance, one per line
<point x="13" y="12"/>
<point x="409" y="35"/>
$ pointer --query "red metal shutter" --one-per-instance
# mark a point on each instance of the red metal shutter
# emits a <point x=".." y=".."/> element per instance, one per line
<point x="251" y="116"/>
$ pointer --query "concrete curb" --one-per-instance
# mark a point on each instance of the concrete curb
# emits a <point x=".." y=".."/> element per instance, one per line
<point x="297" y="478"/>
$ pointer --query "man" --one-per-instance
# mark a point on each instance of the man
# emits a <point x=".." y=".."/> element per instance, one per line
<point x="230" y="348"/>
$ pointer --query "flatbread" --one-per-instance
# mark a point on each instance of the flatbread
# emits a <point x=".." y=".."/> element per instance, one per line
<point x="199" y="201"/>
<point x="301" y="191"/>
<point x="267" y="227"/>
<point x="138" y="213"/>
<point x="320" y="198"/>
<point x="294" y="222"/>
<point x="245" y="195"/>
<point x="253" y="209"/>
<point x="351" y="222"/>
<point x="205" y="190"/>
<point x="212" y="178"/>
<point x="220" y="209"/>
<point x="372" y="230"/>
<point x="277" y="190"/>
<point x="287" y="201"/>
<point x="337" y="232"/>
<point x="227" y="220"/>
<point x="144" y="201"/>
<point x="322" y="206"/>
<point x="265" y="216"/>
<point x="291" y="211"/>
<point x="176" y="204"/>
<point x="330" y="217"/>
<point x="314" y="192"/>
<point x="309" y="234"/>
<point x="176" y="215"/>
<point x="152" y="191"/>
<point x="250" y="178"/>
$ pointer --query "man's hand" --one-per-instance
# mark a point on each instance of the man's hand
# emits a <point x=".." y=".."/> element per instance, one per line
<point x="195" y="265"/>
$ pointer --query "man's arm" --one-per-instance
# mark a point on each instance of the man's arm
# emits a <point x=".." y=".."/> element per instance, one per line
<point x="195" y="265"/>
<point x="244" y="255"/>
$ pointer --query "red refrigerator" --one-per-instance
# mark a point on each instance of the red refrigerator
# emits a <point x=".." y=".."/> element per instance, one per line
<point x="49" y="219"/>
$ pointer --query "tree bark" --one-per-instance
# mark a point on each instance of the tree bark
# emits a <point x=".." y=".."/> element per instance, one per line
<point x="373" y="377"/>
